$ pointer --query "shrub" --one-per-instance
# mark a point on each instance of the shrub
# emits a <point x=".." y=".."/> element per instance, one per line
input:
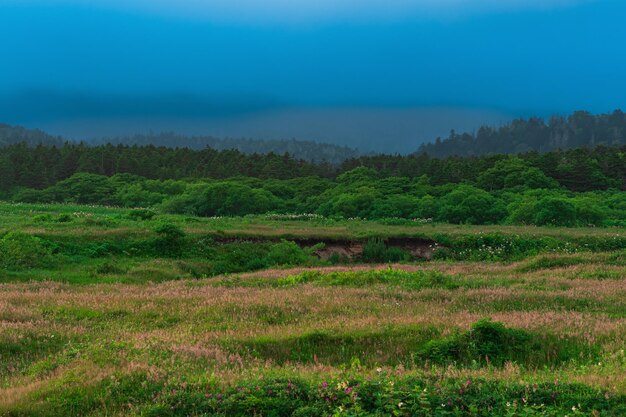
<point x="108" y="268"/>
<point x="466" y="204"/>
<point x="375" y="250"/>
<point x="64" y="218"/>
<point x="554" y="211"/>
<point x="286" y="253"/>
<point x="141" y="214"/>
<point x="19" y="251"/>
<point x="492" y="343"/>
<point x="171" y="239"/>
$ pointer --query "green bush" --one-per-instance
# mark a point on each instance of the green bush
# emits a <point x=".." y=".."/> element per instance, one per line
<point x="467" y="204"/>
<point x="375" y="250"/>
<point x="286" y="253"/>
<point x="21" y="251"/>
<point x="382" y="395"/>
<point x="492" y="343"/>
<point x="170" y="240"/>
<point x="141" y="214"/>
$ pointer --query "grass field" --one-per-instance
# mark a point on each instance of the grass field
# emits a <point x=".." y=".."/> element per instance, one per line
<point x="105" y="316"/>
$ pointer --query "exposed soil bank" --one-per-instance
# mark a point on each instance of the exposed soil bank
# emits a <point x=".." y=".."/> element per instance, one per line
<point x="353" y="248"/>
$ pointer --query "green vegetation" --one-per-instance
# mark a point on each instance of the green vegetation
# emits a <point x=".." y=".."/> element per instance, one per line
<point x="512" y="191"/>
<point x="580" y="129"/>
<point x="110" y="311"/>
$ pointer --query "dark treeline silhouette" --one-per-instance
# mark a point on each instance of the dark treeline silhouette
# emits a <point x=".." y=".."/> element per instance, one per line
<point x="582" y="169"/>
<point x="300" y="149"/>
<point x="41" y="166"/>
<point x="11" y="135"/>
<point x="581" y="129"/>
<point x="38" y="167"/>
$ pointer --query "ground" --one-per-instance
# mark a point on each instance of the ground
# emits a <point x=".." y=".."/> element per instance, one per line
<point x="535" y="326"/>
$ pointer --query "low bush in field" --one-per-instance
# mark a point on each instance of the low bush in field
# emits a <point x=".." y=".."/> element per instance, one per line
<point x="375" y="250"/>
<point x="408" y="280"/>
<point x="141" y="214"/>
<point x="492" y="343"/>
<point x="346" y="395"/>
<point x="415" y="280"/>
<point x="502" y="247"/>
<point x="550" y="262"/>
<point x="20" y="250"/>
<point x="170" y="240"/>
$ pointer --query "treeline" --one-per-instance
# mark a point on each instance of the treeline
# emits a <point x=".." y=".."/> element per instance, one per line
<point x="299" y="149"/>
<point x="39" y="167"/>
<point x="11" y="135"/>
<point x="42" y="166"/>
<point x="581" y="129"/>
<point x="509" y="192"/>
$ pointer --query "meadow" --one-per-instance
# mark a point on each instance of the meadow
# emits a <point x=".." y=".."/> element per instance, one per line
<point x="109" y="312"/>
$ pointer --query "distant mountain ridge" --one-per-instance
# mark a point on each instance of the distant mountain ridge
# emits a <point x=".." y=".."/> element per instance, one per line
<point x="580" y="129"/>
<point x="307" y="150"/>
<point x="299" y="149"/>
<point x="11" y="135"/>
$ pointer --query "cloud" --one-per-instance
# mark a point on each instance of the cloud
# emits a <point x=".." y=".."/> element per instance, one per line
<point x="294" y="11"/>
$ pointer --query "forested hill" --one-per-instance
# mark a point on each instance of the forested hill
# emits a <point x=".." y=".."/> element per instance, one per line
<point x="10" y="135"/>
<point x="581" y="169"/>
<point x="306" y="150"/>
<point x="299" y="149"/>
<point x="581" y="129"/>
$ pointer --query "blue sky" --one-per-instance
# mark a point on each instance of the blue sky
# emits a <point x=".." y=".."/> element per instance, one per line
<point x="79" y="67"/>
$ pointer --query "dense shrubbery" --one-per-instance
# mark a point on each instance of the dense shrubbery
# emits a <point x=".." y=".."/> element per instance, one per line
<point x="19" y="250"/>
<point x="510" y="192"/>
<point x="492" y="343"/>
<point x="342" y="396"/>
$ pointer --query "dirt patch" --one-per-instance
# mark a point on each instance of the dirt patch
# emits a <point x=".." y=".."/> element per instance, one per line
<point x="352" y="249"/>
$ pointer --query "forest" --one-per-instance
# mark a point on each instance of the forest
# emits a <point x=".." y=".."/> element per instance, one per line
<point x="580" y="129"/>
<point x="567" y="188"/>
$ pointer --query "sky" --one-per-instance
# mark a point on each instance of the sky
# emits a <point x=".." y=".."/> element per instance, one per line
<point x="381" y="75"/>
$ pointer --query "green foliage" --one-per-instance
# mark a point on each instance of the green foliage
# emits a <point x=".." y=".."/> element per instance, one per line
<point x="287" y="253"/>
<point x="492" y="343"/>
<point x="550" y="262"/>
<point x="408" y="280"/>
<point x="526" y="189"/>
<point x="141" y="214"/>
<point x="375" y="250"/>
<point x="223" y="199"/>
<point x="345" y="396"/>
<point x="170" y="240"/>
<point x="466" y="204"/>
<point x="514" y="173"/>
<point x="554" y="211"/>
<point x="19" y="251"/>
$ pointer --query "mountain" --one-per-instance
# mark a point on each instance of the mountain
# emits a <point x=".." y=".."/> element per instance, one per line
<point x="10" y="135"/>
<point x="306" y="150"/>
<point x="581" y="129"/>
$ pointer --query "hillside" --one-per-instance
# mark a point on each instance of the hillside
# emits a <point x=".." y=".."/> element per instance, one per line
<point x="581" y="129"/>
<point x="306" y="150"/>
<point x="10" y="135"/>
